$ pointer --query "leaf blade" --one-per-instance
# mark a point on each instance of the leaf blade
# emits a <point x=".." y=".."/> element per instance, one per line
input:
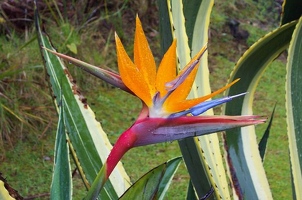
<point x="86" y="134"/>
<point x="193" y="156"/>
<point x="242" y="142"/>
<point x="4" y="194"/>
<point x="291" y="10"/>
<point x="264" y="140"/>
<point x="61" y="186"/>
<point x="153" y="185"/>
<point x="293" y="108"/>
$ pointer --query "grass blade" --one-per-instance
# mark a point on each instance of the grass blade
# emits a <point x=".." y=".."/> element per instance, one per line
<point x="154" y="184"/>
<point x="241" y="143"/>
<point x="293" y="108"/>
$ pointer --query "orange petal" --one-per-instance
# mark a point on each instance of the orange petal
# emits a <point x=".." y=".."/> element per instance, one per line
<point x="182" y="91"/>
<point x="143" y="57"/>
<point x="186" y="104"/>
<point x="167" y="69"/>
<point x="131" y="75"/>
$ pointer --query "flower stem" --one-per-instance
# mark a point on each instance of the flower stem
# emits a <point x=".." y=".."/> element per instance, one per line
<point x="97" y="185"/>
<point x="122" y="145"/>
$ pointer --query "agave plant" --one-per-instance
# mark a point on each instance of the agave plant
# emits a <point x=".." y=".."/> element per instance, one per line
<point x="167" y="115"/>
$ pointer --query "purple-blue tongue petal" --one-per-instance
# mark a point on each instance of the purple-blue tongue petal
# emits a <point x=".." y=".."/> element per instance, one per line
<point x="204" y="106"/>
<point x="172" y="85"/>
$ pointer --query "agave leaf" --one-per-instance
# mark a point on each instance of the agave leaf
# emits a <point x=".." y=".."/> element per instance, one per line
<point x="210" y="143"/>
<point x="293" y="108"/>
<point x="191" y="195"/>
<point x="243" y="155"/>
<point x="203" y="153"/>
<point x="171" y="168"/>
<point x="190" y="9"/>
<point x="155" y="183"/>
<point x="192" y="155"/>
<point x="264" y="139"/>
<point x="88" y="142"/>
<point x="61" y="186"/>
<point x="177" y="20"/>
<point x="4" y="193"/>
<point x="166" y="37"/>
<point x="190" y="148"/>
<point x="291" y="10"/>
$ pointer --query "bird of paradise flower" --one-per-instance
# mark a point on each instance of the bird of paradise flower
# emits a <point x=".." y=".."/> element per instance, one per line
<point x="166" y="114"/>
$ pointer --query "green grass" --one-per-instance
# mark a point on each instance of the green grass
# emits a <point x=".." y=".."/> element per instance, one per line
<point x="26" y="165"/>
<point x="24" y="97"/>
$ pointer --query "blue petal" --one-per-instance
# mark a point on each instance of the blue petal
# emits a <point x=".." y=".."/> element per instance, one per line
<point x="204" y="106"/>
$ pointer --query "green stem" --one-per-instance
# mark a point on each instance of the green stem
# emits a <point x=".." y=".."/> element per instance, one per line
<point x="97" y="184"/>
